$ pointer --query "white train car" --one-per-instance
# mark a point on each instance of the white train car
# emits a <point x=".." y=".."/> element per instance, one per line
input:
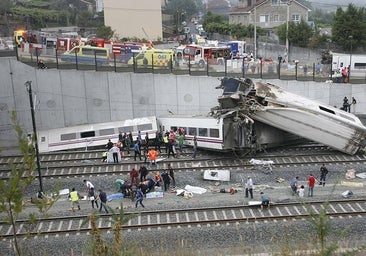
<point x="93" y="135"/>
<point x="310" y="119"/>
<point x="356" y="62"/>
<point x="225" y="133"/>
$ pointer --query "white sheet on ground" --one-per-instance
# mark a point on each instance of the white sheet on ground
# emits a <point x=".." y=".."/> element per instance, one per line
<point x="195" y="190"/>
<point x="260" y="162"/>
<point x="63" y="192"/>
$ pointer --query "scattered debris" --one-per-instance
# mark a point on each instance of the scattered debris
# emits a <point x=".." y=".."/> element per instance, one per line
<point x="220" y="175"/>
<point x="351" y="174"/>
<point x="361" y="175"/>
<point x="280" y="180"/>
<point x="265" y="163"/>
<point x="347" y="194"/>
<point x="87" y="161"/>
<point x="352" y="184"/>
<point x="195" y="190"/>
<point x="185" y="194"/>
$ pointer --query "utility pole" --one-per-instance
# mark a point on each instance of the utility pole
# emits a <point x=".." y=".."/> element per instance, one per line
<point x="28" y="85"/>
<point x="287" y="20"/>
<point x="255" y="30"/>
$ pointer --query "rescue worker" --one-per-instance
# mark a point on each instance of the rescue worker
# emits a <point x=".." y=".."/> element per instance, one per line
<point x="74" y="196"/>
<point x="153" y="154"/>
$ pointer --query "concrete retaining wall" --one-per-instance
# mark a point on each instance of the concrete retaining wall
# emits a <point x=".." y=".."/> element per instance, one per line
<point x="70" y="97"/>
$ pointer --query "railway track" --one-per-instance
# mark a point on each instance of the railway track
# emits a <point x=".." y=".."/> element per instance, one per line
<point x="192" y="217"/>
<point x="82" y="168"/>
<point x="55" y="158"/>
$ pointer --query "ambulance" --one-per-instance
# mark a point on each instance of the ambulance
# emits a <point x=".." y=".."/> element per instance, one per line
<point x="153" y="57"/>
<point x="86" y="55"/>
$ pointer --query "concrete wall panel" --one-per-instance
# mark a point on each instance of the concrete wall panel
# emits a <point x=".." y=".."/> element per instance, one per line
<point x="120" y="94"/>
<point x="48" y="99"/>
<point x="73" y="91"/>
<point x="98" y="102"/>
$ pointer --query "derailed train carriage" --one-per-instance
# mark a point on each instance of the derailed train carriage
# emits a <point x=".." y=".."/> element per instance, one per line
<point x="310" y="119"/>
<point x="227" y="132"/>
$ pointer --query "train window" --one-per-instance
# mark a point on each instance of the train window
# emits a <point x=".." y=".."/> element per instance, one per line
<point x="203" y="132"/>
<point x="360" y="65"/>
<point x="326" y="110"/>
<point x="173" y="128"/>
<point x="125" y="129"/>
<point x="87" y="134"/>
<point x="108" y="131"/>
<point x="68" y="136"/>
<point x="192" y="131"/>
<point x="214" y="133"/>
<point x="144" y="127"/>
<point x="43" y="139"/>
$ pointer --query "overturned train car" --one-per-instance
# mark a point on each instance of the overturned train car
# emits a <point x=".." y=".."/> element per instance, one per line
<point x="310" y="119"/>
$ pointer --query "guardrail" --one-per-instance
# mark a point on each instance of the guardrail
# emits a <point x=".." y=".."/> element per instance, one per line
<point x="261" y="68"/>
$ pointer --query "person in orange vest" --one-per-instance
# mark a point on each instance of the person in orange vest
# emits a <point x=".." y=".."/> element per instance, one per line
<point x="153" y="154"/>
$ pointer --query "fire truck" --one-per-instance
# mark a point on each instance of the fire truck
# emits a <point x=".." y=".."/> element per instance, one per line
<point x="201" y="55"/>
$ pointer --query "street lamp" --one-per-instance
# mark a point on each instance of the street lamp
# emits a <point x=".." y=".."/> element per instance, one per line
<point x="28" y="85"/>
<point x="287" y="20"/>
<point x="350" y="59"/>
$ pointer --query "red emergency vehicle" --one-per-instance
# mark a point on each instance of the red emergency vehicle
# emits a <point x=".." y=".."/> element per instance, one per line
<point x="200" y="55"/>
<point x="66" y="44"/>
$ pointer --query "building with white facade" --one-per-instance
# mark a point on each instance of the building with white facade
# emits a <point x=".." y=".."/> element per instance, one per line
<point x="134" y="18"/>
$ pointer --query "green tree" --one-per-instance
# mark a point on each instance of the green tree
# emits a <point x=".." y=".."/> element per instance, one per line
<point x="5" y="7"/>
<point x="105" y="32"/>
<point x="212" y="18"/>
<point x="299" y="33"/>
<point x="97" y="245"/>
<point x="22" y="176"/>
<point x="349" y="27"/>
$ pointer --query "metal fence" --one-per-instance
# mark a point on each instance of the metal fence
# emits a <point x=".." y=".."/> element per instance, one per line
<point x="260" y="68"/>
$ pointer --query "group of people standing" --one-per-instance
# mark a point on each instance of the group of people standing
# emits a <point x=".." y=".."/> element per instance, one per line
<point x="300" y="190"/>
<point x="346" y="105"/>
<point x="148" y="148"/>
<point x="92" y="196"/>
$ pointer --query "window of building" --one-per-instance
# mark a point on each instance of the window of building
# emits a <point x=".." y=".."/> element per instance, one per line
<point x="264" y="18"/>
<point x="276" y="18"/>
<point x="296" y="17"/>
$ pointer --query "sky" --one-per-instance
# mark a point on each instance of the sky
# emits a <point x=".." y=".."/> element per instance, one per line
<point x="339" y="3"/>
